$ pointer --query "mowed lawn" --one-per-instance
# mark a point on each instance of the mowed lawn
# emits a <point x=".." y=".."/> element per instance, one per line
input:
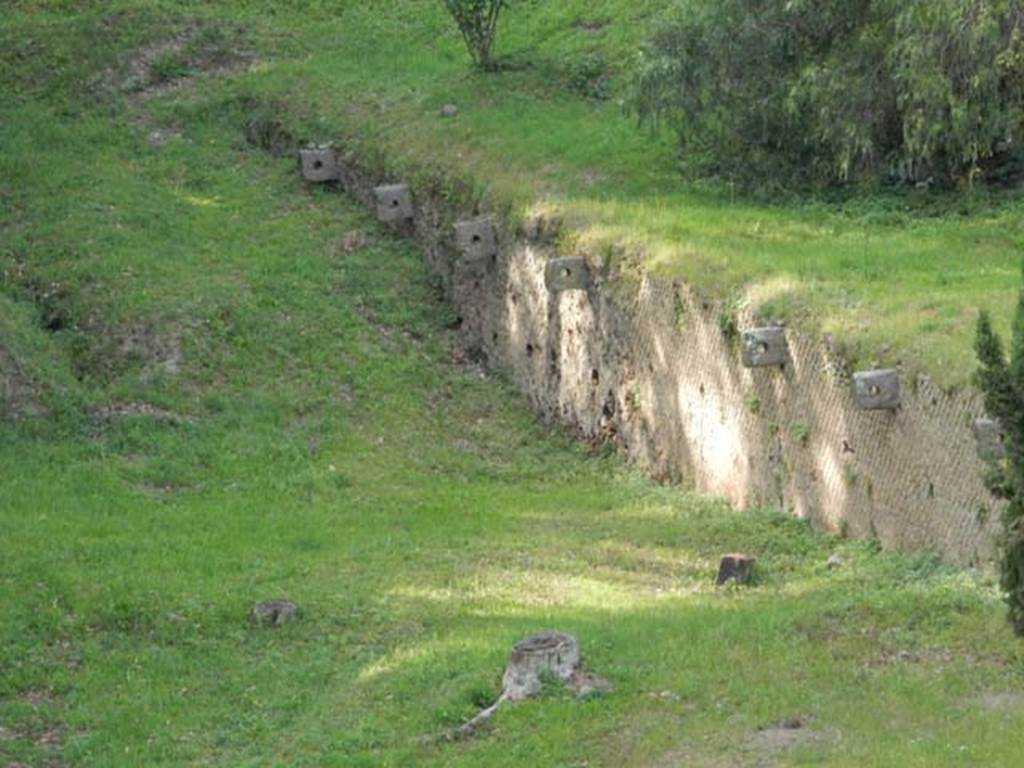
<point x="245" y="390"/>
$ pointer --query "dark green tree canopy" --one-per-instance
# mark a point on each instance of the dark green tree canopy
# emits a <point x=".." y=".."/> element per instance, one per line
<point x="827" y="90"/>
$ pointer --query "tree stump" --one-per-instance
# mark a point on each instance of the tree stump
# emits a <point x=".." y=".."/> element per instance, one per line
<point x="549" y="653"/>
<point x="736" y="568"/>
<point x="553" y="653"/>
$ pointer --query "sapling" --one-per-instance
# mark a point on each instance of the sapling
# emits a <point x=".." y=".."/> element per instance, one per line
<point x="477" y="21"/>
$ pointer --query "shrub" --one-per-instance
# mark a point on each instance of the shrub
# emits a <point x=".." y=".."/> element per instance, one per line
<point x="588" y="76"/>
<point x="477" y="21"/>
<point x="844" y="90"/>
<point x="1002" y="382"/>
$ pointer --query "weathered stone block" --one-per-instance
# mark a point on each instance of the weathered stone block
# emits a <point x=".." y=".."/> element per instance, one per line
<point x="738" y="568"/>
<point x="319" y="164"/>
<point x="394" y="203"/>
<point x="877" y="390"/>
<point x="568" y="274"/>
<point x="475" y="238"/>
<point x="989" y="435"/>
<point x="765" y="347"/>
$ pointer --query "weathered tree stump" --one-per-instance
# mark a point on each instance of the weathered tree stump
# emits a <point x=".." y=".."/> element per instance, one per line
<point x="735" y="568"/>
<point x="550" y="653"/>
<point x="273" y="613"/>
<point x="553" y="653"/>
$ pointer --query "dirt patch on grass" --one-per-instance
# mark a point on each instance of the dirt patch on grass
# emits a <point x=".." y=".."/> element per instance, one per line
<point x="37" y="698"/>
<point x="790" y="734"/>
<point x="352" y="242"/>
<point x="166" y="65"/>
<point x="766" y="747"/>
<point x="126" y="410"/>
<point x="1002" y="703"/>
<point x="18" y="397"/>
<point x="156" y="347"/>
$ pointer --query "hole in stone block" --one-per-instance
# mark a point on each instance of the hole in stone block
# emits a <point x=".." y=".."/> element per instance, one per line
<point x="318" y="164"/>
<point x="874" y="390"/>
<point x="394" y="203"/>
<point x="477" y="238"/>
<point x="529" y="350"/>
<point x="595" y="377"/>
<point x="762" y="348"/>
<point x="567" y="273"/>
<point x="608" y="409"/>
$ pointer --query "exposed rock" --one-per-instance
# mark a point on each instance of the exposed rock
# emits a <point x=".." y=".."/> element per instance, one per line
<point x="449" y="110"/>
<point x="835" y="562"/>
<point x="274" y="613"/>
<point x="736" y="568"/>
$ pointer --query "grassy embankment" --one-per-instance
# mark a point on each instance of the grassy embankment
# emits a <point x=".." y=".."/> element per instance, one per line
<point x="895" y="278"/>
<point x="246" y="401"/>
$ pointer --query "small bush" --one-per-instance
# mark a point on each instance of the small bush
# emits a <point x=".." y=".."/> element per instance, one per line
<point x="1002" y="382"/>
<point x="823" y="90"/>
<point x="589" y="76"/>
<point x="477" y="21"/>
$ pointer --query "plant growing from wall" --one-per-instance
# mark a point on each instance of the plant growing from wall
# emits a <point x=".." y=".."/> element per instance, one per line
<point x="1001" y="378"/>
<point x="477" y="21"/>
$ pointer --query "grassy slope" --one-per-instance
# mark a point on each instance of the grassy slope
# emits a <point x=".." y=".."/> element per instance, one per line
<point x="891" y="284"/>
<point x="323" y="447"/>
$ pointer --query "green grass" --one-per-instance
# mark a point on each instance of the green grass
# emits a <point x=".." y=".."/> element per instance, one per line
<point x="894" y="278"/>
<point x="240" y="409"/>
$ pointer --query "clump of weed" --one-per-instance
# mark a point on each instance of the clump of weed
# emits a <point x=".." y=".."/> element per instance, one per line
<point x="589" y="76"/>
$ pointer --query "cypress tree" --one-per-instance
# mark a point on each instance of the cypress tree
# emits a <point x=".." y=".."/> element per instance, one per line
<point x="1002" y="383"/>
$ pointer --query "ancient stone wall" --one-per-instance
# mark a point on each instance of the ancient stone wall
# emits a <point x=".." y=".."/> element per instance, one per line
<point x="646" y="364"/>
